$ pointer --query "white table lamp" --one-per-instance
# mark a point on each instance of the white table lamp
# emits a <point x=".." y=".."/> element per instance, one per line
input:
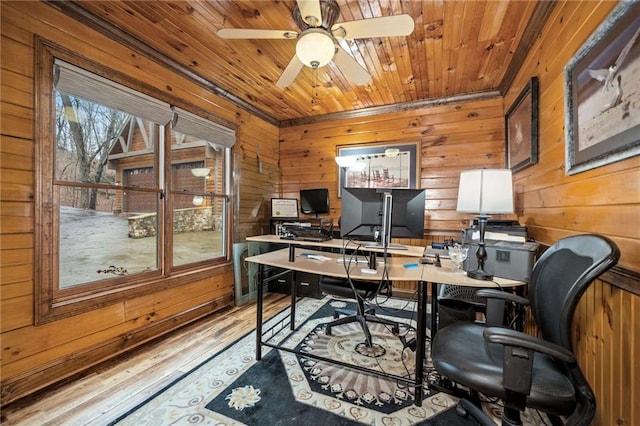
<point x="484" y="192"/>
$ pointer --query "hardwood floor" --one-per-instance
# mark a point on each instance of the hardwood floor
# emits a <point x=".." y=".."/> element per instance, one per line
<point x="103" y="393"/>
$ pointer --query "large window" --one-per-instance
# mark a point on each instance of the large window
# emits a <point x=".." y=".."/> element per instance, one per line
<point x="136" y="190"/>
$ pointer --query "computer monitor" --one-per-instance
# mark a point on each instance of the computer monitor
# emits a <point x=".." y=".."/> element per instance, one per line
<point x="361" y="214"/>
<point x="364" y="211"/>
<point x="314" y="201"/>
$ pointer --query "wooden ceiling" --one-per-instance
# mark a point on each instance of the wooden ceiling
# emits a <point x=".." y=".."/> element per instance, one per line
<point x="458" y="50"/>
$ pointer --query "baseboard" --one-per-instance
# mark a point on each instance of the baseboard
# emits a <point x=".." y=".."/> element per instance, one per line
<point x="66" y="367"/>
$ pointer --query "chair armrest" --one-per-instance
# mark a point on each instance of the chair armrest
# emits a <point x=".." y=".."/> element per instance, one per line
<point x="490" y="293"/>
<point x="519" y="351"/>
<point x="509" y="337"/>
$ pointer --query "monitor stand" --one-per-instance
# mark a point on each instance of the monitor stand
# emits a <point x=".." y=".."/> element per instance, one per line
<point x="389" y="246"/>
<point x="371" y="267"/>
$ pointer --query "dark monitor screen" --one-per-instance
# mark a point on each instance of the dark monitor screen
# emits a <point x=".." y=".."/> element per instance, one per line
<point x="314" y="201"/>
<point x="362" y="211"/>
<point x="361" y="215"/>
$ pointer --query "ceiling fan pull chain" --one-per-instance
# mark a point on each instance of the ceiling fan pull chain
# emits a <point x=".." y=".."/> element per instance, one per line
<point x="314" y="85"/>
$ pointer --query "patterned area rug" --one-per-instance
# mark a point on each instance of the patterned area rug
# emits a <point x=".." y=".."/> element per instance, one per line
<point x="232" y="388"/>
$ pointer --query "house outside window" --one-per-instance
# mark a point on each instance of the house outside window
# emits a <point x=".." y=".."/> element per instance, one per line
<point x="136" y="191"/>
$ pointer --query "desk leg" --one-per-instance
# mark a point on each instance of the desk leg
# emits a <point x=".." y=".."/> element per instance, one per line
<point x="434" y="310"/>
<point x="421" y="336"/>
<point x="259" y="312"/>
<point x="294" y="296"/>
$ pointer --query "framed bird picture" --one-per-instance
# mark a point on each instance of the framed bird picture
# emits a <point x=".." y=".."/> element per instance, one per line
<point x="521" y="128"/>
<point x="602" y="94"/>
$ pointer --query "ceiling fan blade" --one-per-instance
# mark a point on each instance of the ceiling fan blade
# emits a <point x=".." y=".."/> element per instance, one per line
<point x="290" y="72"/>
<point x="351" y="68"/>
<point x="247" y="33"/>
<point x="386" y="26"/>
<point x="310" y="12"/>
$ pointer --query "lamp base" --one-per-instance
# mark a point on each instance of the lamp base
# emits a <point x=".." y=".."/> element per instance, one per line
<point x="480" y="274"/>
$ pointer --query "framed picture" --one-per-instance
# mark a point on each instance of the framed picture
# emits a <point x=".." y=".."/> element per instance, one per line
<point x="521" y="129"/>
<point x="602" y="93"/>
<point x="284" y="208"/>
<point x="380" y="165"/>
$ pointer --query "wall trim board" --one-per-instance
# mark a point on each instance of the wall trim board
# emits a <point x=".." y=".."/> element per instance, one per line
<point x="531" y="33"/>
<point x="617" y="276"/>
<point x="623" y="278"/>
<point x="388" y="109"/>
<point x="77" y="12"/>
<point x="70" y="366"/>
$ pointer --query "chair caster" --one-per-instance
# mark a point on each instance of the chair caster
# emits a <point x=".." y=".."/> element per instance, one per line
<point x="327" y="331"/>
<point x="336" y="315"/>
<point x="460" y="410"/>
<point x="395" y="330"/>
<point x="466" y="408"/>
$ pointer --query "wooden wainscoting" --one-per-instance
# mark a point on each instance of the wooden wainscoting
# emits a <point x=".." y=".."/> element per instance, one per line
<point x="606" y="332"/>
<point x="607" y="341"/>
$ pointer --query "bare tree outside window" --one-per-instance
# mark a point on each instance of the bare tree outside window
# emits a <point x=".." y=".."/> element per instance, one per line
<point x="124" y="200"/>
<point x="106" y="183"/>
<point x="90" y="198"/>
<point x="85" y="133"/>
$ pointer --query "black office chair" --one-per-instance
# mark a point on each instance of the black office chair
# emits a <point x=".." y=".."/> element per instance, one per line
<point x="523" y="370"/>
<point x="364" y="291"/>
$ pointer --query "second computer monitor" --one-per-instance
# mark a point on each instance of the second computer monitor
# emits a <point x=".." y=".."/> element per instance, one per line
<point x="314" y="201"/>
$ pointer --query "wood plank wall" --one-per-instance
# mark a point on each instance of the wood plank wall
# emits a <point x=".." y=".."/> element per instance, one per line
<point x="33" y="357"/>
<point x="605" y="200"/>
<point x="552" y="205"/>
<point x="451" y="138"/>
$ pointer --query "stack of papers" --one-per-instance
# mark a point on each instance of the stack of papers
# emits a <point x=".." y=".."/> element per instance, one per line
<point x="498" y="236"/>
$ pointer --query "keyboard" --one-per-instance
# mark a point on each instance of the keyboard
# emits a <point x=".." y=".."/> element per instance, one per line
<point x="309" y="234"/>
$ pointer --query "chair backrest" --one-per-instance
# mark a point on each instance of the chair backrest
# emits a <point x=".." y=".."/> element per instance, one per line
<point x="560" y="277"/>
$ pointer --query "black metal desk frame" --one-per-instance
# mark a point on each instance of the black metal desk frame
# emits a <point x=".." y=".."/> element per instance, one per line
<point x="417" y="383"/>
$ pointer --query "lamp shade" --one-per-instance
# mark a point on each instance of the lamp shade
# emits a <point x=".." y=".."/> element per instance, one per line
<point x="485" y="191"/>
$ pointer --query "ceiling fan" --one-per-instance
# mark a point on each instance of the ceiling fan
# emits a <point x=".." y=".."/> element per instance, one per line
<point x="317" y="43"/>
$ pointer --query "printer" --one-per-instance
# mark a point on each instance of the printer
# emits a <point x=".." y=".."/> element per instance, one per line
<point x="509" y="254"/>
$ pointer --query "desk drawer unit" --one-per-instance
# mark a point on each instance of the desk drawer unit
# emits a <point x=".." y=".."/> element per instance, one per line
<point x="281" y="284"/>
<point x="308" y="285"/>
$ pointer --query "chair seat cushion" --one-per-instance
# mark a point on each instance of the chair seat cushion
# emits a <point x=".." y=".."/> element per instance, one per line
<point x="340" y="287"/>
<point x="460" y="352"/>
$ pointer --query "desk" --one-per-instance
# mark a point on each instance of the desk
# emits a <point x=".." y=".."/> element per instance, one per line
<point x="395" y="271"/>
<point x="337" y="243"/>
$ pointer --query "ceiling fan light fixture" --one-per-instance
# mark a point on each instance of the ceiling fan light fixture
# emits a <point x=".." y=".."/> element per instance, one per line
<point x="315" y="48"/>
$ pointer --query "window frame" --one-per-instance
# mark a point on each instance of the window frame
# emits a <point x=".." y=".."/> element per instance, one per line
<point x="51" y="302"/>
